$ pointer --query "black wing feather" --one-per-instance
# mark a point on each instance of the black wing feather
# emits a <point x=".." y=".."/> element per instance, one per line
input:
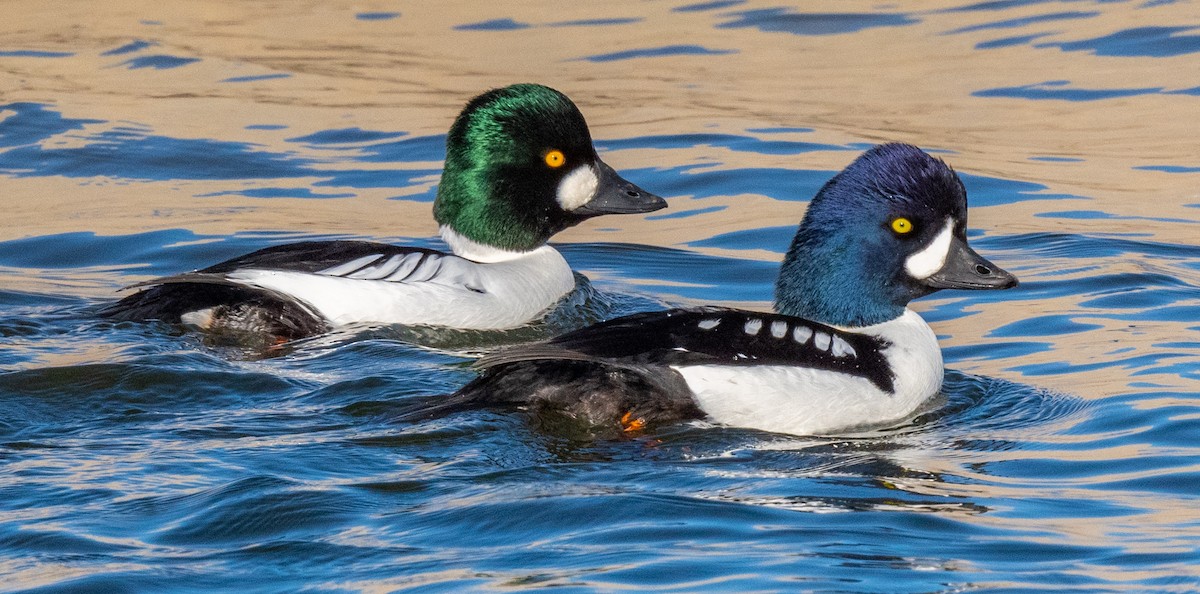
<point x="168" y="298"/>
<point x="676" y="337"/>
<point x="313" y="256"/>
<point x="257" y="309"/>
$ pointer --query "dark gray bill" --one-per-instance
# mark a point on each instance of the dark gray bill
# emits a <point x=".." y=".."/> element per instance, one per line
<point x="965" y="269"/>
<point x="615" y="195"/>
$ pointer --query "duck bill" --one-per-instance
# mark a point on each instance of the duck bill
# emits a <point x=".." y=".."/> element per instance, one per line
<point x="615" y="195"/>
<point x="965" y="269"/>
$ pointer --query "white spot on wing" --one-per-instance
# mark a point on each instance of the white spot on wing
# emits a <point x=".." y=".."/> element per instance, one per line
<point x="753" y="326"/>
<point x="841" y="348"/>
<point x="801" y="334"/>
<point x="708" y="324"/>
<point x="821" y="341"/>
<point x="932" y="257"/>
<point x="577" y="188"/>
<point x="778" y="328"/>
<point x="350" y="266"/>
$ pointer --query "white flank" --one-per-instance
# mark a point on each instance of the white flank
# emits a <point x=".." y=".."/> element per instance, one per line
<point x="812" y="401"/>
<point x="577" y="188"/>
<point x="932" y="257"/>
<point x="515" y="291"/>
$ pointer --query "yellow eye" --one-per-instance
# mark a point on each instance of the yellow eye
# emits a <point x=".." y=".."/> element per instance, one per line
<point x="555" y="159"/>
<point x="902" y="225"/>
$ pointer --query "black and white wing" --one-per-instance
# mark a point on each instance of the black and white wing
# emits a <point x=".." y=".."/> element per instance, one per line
<point x="359" y="260"/>
<point x="713" y="336"/>
<point x="231" y="285"/>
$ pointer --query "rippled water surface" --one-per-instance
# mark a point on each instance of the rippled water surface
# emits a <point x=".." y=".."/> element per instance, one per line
<point x="140" y="139"/>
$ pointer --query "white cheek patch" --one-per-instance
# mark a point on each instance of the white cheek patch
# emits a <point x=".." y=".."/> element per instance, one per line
<point x="932" y="257"/>
<point x="577" y="188"/>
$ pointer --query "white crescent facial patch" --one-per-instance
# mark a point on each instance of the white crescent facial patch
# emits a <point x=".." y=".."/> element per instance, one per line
<point x="932" y="257"/>
<point x="577" y="188"/>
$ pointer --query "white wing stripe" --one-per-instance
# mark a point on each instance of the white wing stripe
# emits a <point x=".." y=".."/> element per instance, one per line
<point x="426" y="270"/>
<point x="379" y="271"/>
<point x="407" y="263"/>
<point x="350" y="266"/>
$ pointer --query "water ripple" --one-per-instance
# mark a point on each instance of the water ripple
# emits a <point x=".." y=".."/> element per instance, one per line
<point x="1060" y="454"/>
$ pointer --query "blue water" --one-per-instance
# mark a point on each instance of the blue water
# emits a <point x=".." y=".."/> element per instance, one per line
<point x="140" y="458"/>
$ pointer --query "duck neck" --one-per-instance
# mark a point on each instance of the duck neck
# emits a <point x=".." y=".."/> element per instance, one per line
<point x="832" y="283"/>
<point x="479" y="252"/>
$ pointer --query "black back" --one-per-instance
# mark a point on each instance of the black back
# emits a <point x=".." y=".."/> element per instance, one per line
<point x="312" y="256"/>
<point x="713" y="336"/>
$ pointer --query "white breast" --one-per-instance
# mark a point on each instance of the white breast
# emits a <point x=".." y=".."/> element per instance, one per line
<point x="515" y="292"/>
<point x="807" y="401"/>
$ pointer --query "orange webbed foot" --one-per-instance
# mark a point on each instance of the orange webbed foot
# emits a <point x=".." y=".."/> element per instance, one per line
<point x="629" y="424"/>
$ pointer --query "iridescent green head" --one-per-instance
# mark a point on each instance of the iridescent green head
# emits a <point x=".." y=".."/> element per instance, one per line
<point x="520" y="167"/>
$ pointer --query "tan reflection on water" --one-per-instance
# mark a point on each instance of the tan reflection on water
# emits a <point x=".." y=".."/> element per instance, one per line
<point x="412" y="73"/>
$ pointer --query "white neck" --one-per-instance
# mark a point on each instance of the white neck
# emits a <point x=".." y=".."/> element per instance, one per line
<point x="475" y="251"/>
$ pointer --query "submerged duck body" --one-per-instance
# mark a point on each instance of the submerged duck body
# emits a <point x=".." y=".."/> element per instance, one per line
<point x="520" y="167"/>
<point x="843" y="351"/>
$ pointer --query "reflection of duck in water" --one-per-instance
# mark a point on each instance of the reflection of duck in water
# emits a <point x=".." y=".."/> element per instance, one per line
<point x="520" y="167"/>
<point x="844" y="350"/>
